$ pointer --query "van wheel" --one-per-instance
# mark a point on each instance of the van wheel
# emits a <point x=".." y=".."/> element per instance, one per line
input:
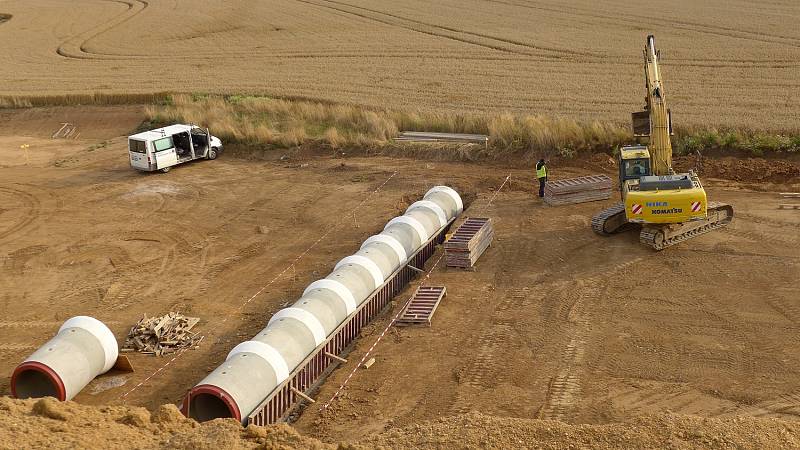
<point x="212" y="153"/>
<point x="166" y="169"/>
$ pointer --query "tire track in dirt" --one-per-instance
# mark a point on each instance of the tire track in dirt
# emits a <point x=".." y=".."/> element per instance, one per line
<point x="762" y="220"/>
<point x="31" y="208"/>
<point x="565" y="388"/>
<point x="763" y="236"/>
<point x="75" y="46"/>
<point x="784" y="405"/>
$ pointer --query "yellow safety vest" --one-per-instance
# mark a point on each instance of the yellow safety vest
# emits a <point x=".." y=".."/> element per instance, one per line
<point x="541" y="172"/>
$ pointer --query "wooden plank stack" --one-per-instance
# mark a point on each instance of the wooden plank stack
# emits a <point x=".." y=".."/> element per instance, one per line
<point x="577" y="190"/>
<point x="422" y="306"/>
<point x="420" y="136"/>
<point x="789" y="196"/>
<point x="162" y="335"/>
<point x="468" y="242"/>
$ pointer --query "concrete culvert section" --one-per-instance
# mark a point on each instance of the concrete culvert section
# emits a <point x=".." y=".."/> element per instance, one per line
<point x="33" y="380"/>
<point x="255" y="368"/>
<point x="83" y="349"/>
<point x="210" y="402"/>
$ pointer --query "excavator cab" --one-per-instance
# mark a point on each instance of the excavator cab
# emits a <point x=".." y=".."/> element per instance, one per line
<point x="634" y="163"/>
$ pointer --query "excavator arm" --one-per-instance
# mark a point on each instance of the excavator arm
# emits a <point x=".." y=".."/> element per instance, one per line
<point x="659" y="120"/>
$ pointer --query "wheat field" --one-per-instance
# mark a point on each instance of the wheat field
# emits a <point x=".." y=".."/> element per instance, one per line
<point x="729" y="63"/>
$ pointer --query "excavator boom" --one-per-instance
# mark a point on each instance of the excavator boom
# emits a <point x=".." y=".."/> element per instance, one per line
<point x="660" y="144"/>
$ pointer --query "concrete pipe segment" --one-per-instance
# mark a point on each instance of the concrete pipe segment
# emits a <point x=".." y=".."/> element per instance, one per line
<point x="253" y="369"/>
<point x="83" y="349"/>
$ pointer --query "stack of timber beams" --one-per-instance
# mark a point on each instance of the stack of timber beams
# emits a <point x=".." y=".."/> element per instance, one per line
<point x="577" y="190"/>
<point x="468" y="242"/>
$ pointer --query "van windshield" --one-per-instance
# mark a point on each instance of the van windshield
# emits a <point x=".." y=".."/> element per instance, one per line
<point x="137" y="146"/>
<point x="163" y="144"/>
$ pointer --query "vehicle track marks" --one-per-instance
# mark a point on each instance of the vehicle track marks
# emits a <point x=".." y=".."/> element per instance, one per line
<point x="29" y="210"/>
<point x="565" y="388"/>
<point x="638" y="20"/>
<point x="464" y="36"/>
<point x="75" y="47"/>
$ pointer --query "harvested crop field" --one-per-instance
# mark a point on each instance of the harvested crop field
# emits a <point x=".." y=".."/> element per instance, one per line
<point x="555" y="323"/>
<point x="732" y="64"/>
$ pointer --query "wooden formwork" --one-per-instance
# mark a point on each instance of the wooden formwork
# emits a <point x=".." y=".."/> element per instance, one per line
<point x="422" y="306"/>
<point x="312" y="371"/>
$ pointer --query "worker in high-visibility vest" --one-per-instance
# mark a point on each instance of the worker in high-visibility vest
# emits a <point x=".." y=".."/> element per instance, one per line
<point x="541" y="174"/>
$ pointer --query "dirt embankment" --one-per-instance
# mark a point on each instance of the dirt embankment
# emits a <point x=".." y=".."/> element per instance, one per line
<point x="47" y="423"/>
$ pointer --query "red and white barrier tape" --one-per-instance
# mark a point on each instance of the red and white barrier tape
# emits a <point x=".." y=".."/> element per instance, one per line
<point x="508" y="177"/>
<point x="276" y="278"/>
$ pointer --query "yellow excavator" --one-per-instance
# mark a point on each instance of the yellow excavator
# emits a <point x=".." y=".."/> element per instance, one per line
<point x="669" y="208"/>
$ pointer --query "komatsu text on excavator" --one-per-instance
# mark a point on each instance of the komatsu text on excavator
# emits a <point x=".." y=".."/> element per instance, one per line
<point x="669" y="207"/>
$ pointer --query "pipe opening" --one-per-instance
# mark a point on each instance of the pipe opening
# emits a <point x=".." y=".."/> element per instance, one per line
<point x="34" y="383"/>
<point x="206" y="406"/>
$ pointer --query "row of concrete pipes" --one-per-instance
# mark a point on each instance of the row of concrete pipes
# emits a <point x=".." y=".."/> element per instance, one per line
<point x="254" y="368"/>
<point x="85" y="348"/>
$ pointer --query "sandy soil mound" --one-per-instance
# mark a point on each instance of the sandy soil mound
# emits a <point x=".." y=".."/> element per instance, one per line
<point x="47" y="423"/>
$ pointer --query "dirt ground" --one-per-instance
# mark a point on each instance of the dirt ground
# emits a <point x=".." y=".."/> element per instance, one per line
<point x="554" y="323"/>
<point x="47" y="423"/>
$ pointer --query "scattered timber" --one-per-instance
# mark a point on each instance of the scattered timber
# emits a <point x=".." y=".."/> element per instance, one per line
<point x="577" y="190"/>
<point x="468" y="242"/>
<point x="162" y="335"/>
<point x="66" y="131"/>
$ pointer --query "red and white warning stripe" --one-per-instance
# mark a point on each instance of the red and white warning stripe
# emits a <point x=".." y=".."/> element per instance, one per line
<point x="636" y="208"/>
<point x="696" y="206"/>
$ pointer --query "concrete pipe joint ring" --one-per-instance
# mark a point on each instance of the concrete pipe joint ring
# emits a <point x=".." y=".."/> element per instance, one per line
<point x="337" y="288"/>
<point x="101" y="332"/>
<point x="306" y="318"/>
<point x="413" y="223"/>
<point x="449" y="191"/>
<point x="391" y="241"/>
<point x="267" y="353"/>
<point x="366" y="263"/>
<point x="432" y="206"/>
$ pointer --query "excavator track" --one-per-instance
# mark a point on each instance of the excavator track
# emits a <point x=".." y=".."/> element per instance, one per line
<point x="610" y="220"/>
<point x="661" y="237"/>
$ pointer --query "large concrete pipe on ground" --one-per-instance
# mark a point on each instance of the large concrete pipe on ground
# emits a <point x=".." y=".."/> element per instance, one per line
<point x="253" y="369"/>
<point x="83" y="349"/>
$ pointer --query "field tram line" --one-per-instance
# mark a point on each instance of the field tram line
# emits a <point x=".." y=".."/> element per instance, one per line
<point x="635" y="19"/>
<point x="72" y="50"/>
<point x="501" y="44"/>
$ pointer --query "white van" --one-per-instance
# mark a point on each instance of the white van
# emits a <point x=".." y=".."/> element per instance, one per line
<point x="162" y="148"/>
